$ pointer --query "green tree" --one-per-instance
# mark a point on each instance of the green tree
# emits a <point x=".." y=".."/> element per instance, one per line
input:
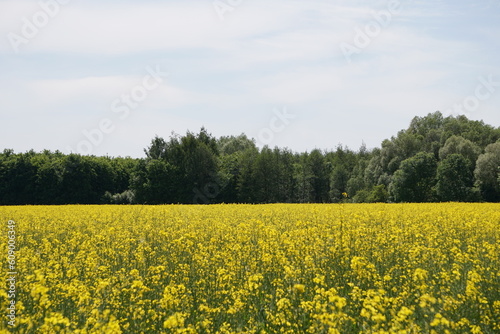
<point x="343" y="161"/>
<point x="373" y="173"/>
<point x="17" y="178"/>
<point x="476" y="131"/>
<point x="247" y="190"/>
<point x="319" y="175"/>
<point x="157" y="150"/>
<point x="178" y="171"/>
<point x="199" y="166"/>
<point x="454" y="179"/>
<point x="49" y="179"/>
<point x="160" y="182"/>
<point x="414" y="180"/>
<point x="357" y="181"/>
<point x="429" y="130"/>
<point x="338" y="182"/>
<point x="486" y="172"/>
<point x="378" y="194"/>
<point x="303" y="185"/>
<point x="462" y="146"/>
<point x="228" y="145"/>
<point x="361" y="196"/>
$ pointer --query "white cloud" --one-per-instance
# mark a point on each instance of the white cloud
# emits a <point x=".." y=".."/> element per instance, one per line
<point x="229" y="75"/>
<point x="67" y="91"/>
<point x="102" y="28"/>
<point x="301" y="85"/>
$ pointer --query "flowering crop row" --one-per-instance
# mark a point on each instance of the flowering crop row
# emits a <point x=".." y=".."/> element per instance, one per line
<point x="340" y="268"/>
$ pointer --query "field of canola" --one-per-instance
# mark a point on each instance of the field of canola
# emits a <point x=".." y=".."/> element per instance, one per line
<point x="340" y="268"/>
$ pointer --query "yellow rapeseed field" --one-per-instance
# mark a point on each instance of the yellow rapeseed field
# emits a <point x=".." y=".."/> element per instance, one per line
<point x="339" y="268"/>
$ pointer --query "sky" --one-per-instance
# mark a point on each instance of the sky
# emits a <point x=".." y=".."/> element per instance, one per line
<point x="104" y="77"/>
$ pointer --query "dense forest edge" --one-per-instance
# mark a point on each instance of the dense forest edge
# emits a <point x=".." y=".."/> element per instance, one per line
<point x="435" y="159"/>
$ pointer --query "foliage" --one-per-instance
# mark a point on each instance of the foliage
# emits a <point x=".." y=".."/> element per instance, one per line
<point x="197" y="168"/>
<point x="414" y="180"/>
<point x="378" y="194"/>
<point x="486" y="172"/>
<point x="126" y="197"/>
<point x="455" y="180"/>
<point x="461" y="146"/>
<point x="55" y="178"/>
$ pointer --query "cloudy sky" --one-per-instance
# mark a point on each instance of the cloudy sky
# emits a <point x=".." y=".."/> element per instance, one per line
<point x="104" y="77"/>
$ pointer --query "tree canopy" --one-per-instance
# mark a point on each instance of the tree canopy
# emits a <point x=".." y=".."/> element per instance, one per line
<point x="435" y="159"/>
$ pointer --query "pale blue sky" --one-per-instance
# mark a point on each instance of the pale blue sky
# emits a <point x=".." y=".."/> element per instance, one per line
<point x="232" y="71"/>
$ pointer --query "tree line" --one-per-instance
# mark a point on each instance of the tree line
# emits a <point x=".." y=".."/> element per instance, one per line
<point x="435" y="159"/>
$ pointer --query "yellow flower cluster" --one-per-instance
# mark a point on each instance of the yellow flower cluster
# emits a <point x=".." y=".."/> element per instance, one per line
<point x="339" y="268"/>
